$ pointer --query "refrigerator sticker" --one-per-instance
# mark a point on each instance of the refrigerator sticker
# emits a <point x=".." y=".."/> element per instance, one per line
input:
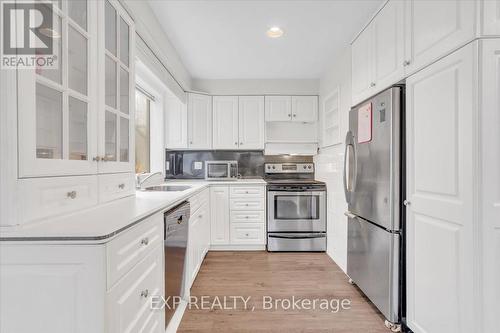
<point x="365" y="123"/>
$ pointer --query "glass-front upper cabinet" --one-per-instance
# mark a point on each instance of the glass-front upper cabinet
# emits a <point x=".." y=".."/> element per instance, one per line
<point x="57" y="105"/>
<point x="116" y="68"/>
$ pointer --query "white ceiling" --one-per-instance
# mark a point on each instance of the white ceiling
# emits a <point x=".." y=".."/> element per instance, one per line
<point x="226" y="39"/>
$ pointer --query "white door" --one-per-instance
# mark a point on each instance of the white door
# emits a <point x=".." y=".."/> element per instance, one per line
<point x="362" y="66"/>
<point x="388" y="44"/>
<point x="57" y="108"/>
<point x="219" y="216"/>
<point x="435" y="28"/>
<point x="199" y="121"/>
<point x="305" y="108"/>
<point x="491" y="18"/>
<point x="176" y="124"/>
<point x="441" y="154"/>
<point x="225" y="118"/>
<point x="117" y="86"/>
<point x="278" y="108"/>
<point x="490" y="181"/>
<point x="251" y="122"/>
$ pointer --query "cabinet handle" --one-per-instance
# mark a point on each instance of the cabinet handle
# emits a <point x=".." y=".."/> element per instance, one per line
<point x="406" y="63"/>
<point x="145" y="241"/>
<point x="372" y="84"/>
<point x="246" y="192"/>
<point x="289" y="115"/>
<point x="121" y="186"/>
<point x="294" y="115"/>
<point x="247" y="217"/>
<point x="246" y="204"/>
<point x="407" y="202"/>
<point x="247" y="234"/>
<point x="236" y="143"/>
<point x="71" y="194"/>
<point x="145" y="293"/>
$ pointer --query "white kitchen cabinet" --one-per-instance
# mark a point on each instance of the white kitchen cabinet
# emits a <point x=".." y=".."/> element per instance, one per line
<point x="57" y="108"/>
<point x="176" y="129"/>
<point x="489" y="159"/>
<point x="251" y="122"/>
<point x="225" y="122"/>
<point x="278" y="108"/>
<point x="305" y="108"/>
<point x="378" y="53"/>
<point x="362" y="65"/>
<point x="441" y="120"/>
<point x="388" y="45"/>
<point x="116" y="86"/>
<point x="219" y="215"/>
<point x="199" y="121"/>
<point x="436" y="28"/>
<point x="491" y="18"/>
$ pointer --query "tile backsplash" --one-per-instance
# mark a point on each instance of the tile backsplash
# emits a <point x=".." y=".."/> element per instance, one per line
<point x="190" y="164"/>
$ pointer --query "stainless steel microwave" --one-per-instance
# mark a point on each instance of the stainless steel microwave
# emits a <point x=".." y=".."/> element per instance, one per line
<point x="221" y="170"/>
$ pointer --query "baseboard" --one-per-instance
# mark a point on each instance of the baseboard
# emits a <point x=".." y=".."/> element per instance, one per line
<point x="239" y="247"/>
<point x="175" y="322"/>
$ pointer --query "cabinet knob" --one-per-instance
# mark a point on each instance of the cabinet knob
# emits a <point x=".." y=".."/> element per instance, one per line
<point x="121" y="186"/>
<point x="190" y="142"/>
<point x="407" y="202"/>
<point x="145" y="293"/>
<point x="236" y="143"/>
<point x="372" y="84"/>
<point x="294" y="115"/>
<point x="247" y="234"/>
<point x="71" y="194"/>
<point x="289" y="115"/>
<point x="241" y="143"/>
<point x="247" y="217"/>
<point x="145" y="241"/>
<point x="406" y="63"/>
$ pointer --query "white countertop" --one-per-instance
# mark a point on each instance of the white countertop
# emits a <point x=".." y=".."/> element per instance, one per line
<point x="101" y="223"/>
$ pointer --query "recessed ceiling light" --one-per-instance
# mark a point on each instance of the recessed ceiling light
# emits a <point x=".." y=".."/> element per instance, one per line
<point x="274" y="32"/>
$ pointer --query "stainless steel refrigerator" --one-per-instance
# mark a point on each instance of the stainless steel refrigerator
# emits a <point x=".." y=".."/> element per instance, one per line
<point x="373" y="184"/>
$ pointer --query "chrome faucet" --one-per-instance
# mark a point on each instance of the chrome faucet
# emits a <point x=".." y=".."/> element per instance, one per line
<point x="141" y="178"/>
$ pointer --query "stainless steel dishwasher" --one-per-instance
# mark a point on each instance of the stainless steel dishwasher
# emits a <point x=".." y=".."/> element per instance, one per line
<point x="175" y="244"/>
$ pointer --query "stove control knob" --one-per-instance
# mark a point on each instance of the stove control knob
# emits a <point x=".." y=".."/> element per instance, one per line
<point x="304" y="166"/>
<point x="309" y="167"/>
<point x="274" y="167"/>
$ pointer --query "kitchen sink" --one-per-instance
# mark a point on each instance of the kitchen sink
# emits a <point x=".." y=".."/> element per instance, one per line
<point x="168" y="188"/>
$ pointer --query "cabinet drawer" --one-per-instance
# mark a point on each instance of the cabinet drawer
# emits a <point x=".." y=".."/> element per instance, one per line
<point x="246" y="191"/>
<point x="129" y="302"/>
<point x="125" y="251"/>
<point x="247" y="204"/>
<point x="44" y="197"/>
<point x="199" y="200"/>
<point x="116" y="186"/>
<point x="251" y="216"/>
<point x="247" y="233"/>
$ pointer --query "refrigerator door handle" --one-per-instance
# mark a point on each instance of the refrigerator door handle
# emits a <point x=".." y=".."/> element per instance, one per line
<point x="348" y="185"/>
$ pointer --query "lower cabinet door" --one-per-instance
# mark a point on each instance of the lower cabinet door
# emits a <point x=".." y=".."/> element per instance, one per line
<point x="129" y="302"/>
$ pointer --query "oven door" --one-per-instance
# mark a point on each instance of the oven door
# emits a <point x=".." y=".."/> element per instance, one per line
<point x="303" y="211"/>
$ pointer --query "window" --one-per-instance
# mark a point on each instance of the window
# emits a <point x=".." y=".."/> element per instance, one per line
<point x="142" y="131"/>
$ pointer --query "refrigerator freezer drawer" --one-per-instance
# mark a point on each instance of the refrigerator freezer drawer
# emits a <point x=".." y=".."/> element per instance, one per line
<point x="373" y="264"/>
<point x="307" y="242"/>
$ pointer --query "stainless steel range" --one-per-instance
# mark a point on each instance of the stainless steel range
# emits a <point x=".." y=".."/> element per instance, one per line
<point x="296" y="208"/>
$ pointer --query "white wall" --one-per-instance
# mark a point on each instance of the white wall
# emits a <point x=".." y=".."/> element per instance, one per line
<point x="257" y="87"/>
<point x="330" y="160"/>
<point x="148" y="27"/>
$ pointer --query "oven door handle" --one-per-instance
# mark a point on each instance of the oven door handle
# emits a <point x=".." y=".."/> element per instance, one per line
<point x="298" y="236"/>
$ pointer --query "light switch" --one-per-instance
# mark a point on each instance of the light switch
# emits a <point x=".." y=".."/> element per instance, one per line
<point x="198" y="165"/>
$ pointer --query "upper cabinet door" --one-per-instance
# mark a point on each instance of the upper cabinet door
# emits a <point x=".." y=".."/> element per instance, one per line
<point x="117" y="83"/>
<point x="305" y="108"/>
<point x="199" y="121"/>
<point x="251" y="122"/>
<point x="362" y="66"/>
<point x="435" y="28"/>
<point x="278" y="108"/>
<point x="388" y="45"/>
<point x="57" y="107"/>
<point x="491" y="18"/>
<point x="225" y="118"/>
<point x="176" y="124"/>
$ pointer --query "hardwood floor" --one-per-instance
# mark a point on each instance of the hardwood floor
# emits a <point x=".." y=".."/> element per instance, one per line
<point x="277" y="275"/>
